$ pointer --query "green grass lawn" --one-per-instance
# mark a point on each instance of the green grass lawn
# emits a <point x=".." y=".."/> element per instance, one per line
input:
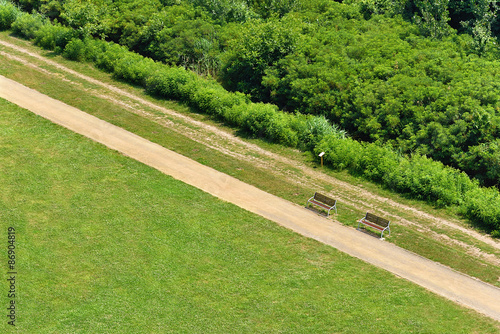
<point x="105" y="244"/>
<point x="81" y="95"/>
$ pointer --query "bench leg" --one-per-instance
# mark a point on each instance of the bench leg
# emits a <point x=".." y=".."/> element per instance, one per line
<point x="382" y="236"/>
<point x="334" y="207"/>
<point x="308" y="201"/>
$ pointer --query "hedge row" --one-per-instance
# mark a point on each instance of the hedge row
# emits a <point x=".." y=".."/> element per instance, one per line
<point x="416" y="175"/>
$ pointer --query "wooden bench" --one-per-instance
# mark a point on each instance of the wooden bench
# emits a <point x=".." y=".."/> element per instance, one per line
<point x="376" y="222"/>
<point x="323" y="201"/>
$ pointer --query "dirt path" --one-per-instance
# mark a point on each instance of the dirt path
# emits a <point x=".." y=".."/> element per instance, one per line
<point x="230" y="145"/>
<point x="443" y="281"/>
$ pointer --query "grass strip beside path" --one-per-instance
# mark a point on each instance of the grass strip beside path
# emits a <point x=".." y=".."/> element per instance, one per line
<point x="106" y="244"/>
<point x="409" y="237"/>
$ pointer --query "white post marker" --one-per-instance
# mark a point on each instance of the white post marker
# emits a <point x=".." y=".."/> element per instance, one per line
<point x="321" y="156"/>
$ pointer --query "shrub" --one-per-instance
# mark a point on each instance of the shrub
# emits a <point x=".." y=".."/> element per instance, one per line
<point x="258" y="118"/>
<point x="171" y="83"/>
<point x="484" y="162"/>
<point x="51" y="36"/>
<point x="429" y="180"/>
<point x="418" y="175"/>
<point x="94" y="49"/>
<point x="314" y="129"/>
<point x="340" y="153"/>
<point x="134" y="69"/>
<point x="75" y="50"/>
<point x="209" y="97"/>
<point x="236" y="114"/>
<point x="26" y="25"/>
<point x="107" y="56"/>
<point x="264" y="120"/>
<point x="8" y="14"/>
<point x="376" y="162"/>
<point x="279" y="129"/>
<point x="482" y="205"/>
<point x="206" y="99"/>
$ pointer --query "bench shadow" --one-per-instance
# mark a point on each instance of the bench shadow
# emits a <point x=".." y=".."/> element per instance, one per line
<point x="370" y="233"/>
<point x="318" y="211"/>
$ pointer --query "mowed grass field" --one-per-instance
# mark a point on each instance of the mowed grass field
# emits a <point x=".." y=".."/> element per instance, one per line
<point x="282" y="180"/>
<point x="105" y="244"/>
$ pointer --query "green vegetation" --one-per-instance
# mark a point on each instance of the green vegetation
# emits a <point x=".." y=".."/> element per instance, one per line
<point x="283" y="180"/>
<point x="416" y="74"/>
<point x="399" y="91"/>
<point x="107" y="248"/>
<point x="378" y="77"/>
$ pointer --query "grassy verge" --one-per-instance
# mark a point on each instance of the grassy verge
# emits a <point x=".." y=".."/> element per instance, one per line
<point x="106" y="244"/>
<point x="78" y="96"/>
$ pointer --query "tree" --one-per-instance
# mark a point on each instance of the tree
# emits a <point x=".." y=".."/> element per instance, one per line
<point x="226" y="10"/>
<point x="90" y="18"/>
<point x="261" y="45"/>
<point x="432" y="17"/>
<point x="181" y="35"/>
<point x="268" y="8"/>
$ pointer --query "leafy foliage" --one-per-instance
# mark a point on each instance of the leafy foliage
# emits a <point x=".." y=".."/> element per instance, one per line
<point x="27" y="25"/>
<point x="409" y="98"/>
<point x="54" y="37"/>
<point x="265" y="44"/>
<point x="8" y="14"/>
<point x="226" y="10"/>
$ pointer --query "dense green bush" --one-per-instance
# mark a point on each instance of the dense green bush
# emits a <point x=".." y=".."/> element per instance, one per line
<point x="312" y="129"/>
<point x="171" y="83"/>
<point x="103" y="54"/>
<point x="8" y="14"/>
<point x="417" y="175"/>
<point x="483" y="160"/>
<point x="209" y="97"/>
<point x="134" y="68"/>
<point x="109" y="56"/>
<point x="94" y="49"/>
<point x="26" y="25"/>
<point x="428" y="180"/>
<point x="75" y="50"/>
<point x="53" y="36"/>
<point x="265" y="120"/>
<point x="482" y="206"/>
<point x="340" y="153"/>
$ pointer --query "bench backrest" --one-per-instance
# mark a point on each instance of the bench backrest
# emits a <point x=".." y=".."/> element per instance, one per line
<point x="324" y="199"/>
<point x="377" y="220"/>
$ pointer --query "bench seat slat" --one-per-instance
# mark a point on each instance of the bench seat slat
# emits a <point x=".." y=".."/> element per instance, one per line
<point x="366" y="222"/>
<point x="320" y="204"/>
